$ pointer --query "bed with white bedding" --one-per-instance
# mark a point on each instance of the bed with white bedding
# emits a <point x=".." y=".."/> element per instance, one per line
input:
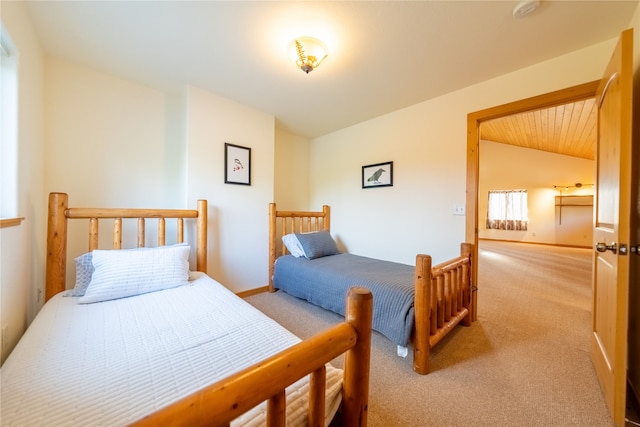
<point x="113" y="362"/>
<point x="127" y="349"/>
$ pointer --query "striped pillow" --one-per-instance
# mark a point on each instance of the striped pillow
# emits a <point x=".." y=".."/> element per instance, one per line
<point x="125" y="273"/>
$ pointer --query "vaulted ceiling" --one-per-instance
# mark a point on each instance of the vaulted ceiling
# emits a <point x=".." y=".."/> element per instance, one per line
<point x="568" y="129"/>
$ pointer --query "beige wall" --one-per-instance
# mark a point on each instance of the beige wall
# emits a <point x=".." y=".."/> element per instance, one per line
<point x="291" y="171"/>
<point x="110" y="142"/>
<point x="427" y="143"/>
<point x="22" y="247"/>
<point x="238" y="232"/>
<point x="113" y="142"/>
<point x="506" y="167"/>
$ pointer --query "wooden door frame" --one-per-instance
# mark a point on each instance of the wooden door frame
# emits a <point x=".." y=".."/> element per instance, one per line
<point x="563" y="96"/>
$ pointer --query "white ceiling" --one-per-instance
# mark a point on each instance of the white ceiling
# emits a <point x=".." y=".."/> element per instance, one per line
<point x="384" y="55"/>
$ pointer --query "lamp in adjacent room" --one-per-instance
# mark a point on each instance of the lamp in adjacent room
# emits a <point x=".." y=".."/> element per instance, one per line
<point x="307" y="53"/>
<point x="576" y="185"/>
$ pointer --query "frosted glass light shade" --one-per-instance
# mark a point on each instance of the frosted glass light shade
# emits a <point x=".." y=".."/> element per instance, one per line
<point x="307" y="53"/>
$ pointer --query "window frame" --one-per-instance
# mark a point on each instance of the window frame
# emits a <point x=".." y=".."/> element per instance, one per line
<point x="9" y="132"/>
<point x="510" y="212"/>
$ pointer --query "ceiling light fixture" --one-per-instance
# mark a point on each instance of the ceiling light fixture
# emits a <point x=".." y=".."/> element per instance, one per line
<point x="307" y="53"/>
<point x="525" y="7"/>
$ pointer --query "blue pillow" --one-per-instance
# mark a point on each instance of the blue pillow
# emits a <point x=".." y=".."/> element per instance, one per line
<point x="317" y="244"/>
<point x="84" y="271"/>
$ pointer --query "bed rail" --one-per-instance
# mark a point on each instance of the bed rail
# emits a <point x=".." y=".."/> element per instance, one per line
<point x="285" y="222"/>
<point x="220" y="403"/>
<point x="443" y="299"/>
<point x="60" y="213"/>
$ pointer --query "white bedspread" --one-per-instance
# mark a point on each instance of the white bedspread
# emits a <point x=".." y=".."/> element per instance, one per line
<point x="113" y="362"/>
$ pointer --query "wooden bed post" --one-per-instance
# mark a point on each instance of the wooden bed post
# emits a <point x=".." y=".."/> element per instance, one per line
<point x="355" y="394"/>
<point x="272" y="243"/>
<point x="56" y="268"/>
<point x="202" y="221"/>
<point x="422" y="324"/>
<point x="326" y="220"/>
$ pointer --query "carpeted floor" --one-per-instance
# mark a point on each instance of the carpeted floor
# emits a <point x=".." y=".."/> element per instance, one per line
<point x="525" y="362"/>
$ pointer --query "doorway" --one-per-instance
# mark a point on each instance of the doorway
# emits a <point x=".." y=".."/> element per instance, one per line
<point x="475" y="119"/>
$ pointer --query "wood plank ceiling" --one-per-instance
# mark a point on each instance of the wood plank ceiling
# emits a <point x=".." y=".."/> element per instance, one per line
<point x="568" y="129"/>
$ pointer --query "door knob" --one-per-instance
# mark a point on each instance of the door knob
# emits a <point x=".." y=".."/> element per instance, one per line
<point x="635" y="249"/>
<point x="603" y="247"/>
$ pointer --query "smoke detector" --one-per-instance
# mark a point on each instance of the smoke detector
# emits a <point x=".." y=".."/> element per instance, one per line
<point x="525" y="8"/>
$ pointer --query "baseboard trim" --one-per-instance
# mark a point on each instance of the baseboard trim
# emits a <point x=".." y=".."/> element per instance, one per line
<point x="535" y="243"/>
<point x="251" y="292"/>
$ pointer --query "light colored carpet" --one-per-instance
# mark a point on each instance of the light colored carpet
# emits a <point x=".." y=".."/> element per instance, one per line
<point x="525" y="362"/>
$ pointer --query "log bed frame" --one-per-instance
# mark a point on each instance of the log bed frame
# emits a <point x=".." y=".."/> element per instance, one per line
<point x="222" y="402"/>
<point x="442" y="292"/>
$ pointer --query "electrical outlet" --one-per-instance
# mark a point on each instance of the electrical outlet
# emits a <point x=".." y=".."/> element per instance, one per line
<point x="458" y="210"/>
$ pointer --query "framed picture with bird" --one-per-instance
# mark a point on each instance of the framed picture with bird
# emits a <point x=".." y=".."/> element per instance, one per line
<point x="237" y="164"/>
<point x="377" y="175"/>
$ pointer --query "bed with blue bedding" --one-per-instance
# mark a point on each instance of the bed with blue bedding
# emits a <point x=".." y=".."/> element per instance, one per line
<point x="417" y="304"/>
<point x="323" y="281"/>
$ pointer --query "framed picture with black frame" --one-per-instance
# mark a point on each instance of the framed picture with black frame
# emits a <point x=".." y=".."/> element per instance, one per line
<point x="237" y="164"/>
<point x="377" y="175"/>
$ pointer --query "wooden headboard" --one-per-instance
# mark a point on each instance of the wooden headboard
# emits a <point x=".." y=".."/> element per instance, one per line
<point x="60" y="213"/>
<point x="284" y="222"/>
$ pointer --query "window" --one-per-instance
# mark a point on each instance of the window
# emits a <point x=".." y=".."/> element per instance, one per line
<point x="507" y="210"/>
<point x="8" y="128"/>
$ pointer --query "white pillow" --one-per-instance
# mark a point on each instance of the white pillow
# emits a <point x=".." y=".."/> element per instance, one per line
<point x="293" y="245"/>
<point x="84" y="271"/>
<point x="125" y="273"/>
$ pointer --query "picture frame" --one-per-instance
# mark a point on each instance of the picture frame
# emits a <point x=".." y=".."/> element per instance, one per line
<point x="377" y="175"/>
<point x="237" y="164"/>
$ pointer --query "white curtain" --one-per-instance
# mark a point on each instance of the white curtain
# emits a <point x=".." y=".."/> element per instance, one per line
<point x="507" y="210"/>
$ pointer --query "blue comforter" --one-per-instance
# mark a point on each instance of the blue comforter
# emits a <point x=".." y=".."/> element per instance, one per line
<point x="325" y="281"/>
